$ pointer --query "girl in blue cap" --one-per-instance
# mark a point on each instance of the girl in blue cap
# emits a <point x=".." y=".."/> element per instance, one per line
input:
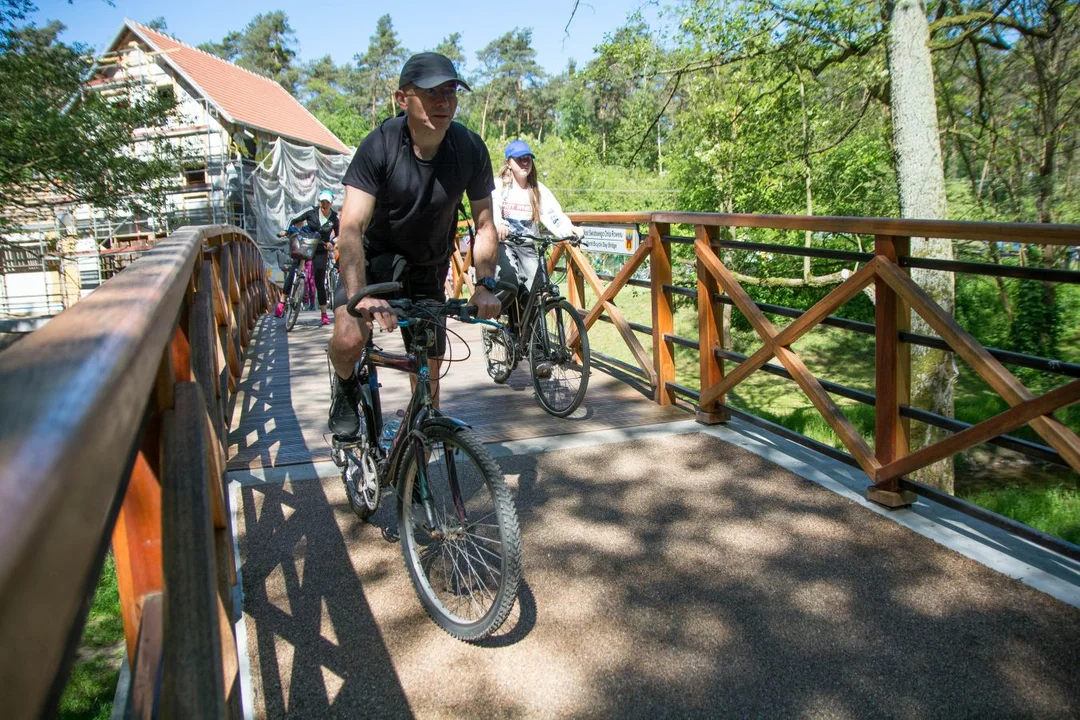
<point x="521" y="203"/>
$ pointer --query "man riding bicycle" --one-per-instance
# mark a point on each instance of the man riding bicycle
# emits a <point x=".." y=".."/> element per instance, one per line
<point x="398" y="222"/>
<point x="322" y="219"/>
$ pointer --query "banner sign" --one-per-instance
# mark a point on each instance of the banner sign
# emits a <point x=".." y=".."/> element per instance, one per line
<point x="619" y="239"/>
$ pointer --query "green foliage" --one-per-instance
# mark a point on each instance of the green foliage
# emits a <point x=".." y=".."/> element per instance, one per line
<point x="345" y="123"/>
<point x="510" y="73"/>
<point x="61" y="144"/>
<point x="377" y="71"/>
<point x="577" y="178"/>
<point x="1035" y="329"/>
<point x="450" y="46"/>
<point x="979" y="310"/>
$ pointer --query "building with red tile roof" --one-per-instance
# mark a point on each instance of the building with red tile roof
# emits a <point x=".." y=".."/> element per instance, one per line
<point x="228" y="120"/>
<point x="242" y="97"/>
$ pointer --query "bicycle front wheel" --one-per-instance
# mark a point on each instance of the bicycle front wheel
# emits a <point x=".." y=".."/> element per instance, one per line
<point x="560" y="374"/>
<point x="295" y="298"/>
<point x="464" y="559"/>
<point x="331" y="283"/>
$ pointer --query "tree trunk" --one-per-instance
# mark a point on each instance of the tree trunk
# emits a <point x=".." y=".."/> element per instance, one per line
<point x="922" y="195"/>
<point x="483" y="115"/>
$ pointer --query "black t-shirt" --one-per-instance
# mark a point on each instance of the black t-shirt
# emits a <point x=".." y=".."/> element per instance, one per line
<point x="311" y="219"/>
<point x="416" y="200"/>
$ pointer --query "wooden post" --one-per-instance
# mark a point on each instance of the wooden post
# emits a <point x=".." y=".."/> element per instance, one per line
<point x="710" y="331"/>
<point x="136" y="539"/>
<point x="193" y="677"/>
<point x="892" y="376"/>
<point x="575" y="283"/>
<point x="663" y="314"/>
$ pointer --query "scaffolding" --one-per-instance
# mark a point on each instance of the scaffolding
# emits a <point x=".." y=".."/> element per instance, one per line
<point x="80" y="245"/>
<point x="217" y="181"/>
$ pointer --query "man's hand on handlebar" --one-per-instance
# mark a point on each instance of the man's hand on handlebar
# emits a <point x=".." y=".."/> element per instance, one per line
<point x="487" y="305"/>
<point x="378" y="309"/>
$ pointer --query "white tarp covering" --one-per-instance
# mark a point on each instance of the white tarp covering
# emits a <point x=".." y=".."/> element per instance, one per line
<point x="286" y="183"/>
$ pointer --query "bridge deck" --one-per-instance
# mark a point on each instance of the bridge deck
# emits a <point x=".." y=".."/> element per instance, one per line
<point x="280" y="415"/>
<point x="664" y="576"/>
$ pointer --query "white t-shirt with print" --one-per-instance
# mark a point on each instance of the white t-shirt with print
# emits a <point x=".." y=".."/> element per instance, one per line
<point x="513" y="205"/>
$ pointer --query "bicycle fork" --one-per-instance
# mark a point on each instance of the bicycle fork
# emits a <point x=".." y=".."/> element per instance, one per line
<point x="423" y="489"/>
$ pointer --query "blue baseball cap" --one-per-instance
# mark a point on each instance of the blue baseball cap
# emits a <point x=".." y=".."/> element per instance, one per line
<point x="326" y="195"/>
<point x="518" y="148"/>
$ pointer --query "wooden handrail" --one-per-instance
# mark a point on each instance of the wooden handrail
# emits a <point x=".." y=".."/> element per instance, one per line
<point x="897" y="297"/>
<point x="1036" y="233"/>
<point x="82" y="403"/>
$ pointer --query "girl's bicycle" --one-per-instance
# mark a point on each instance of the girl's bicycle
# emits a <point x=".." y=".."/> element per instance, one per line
<point x="540" y="331"/>
<point x="457" y="522"/>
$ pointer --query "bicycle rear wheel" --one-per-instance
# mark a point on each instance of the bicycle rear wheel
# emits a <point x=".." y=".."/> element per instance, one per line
<point x="499" y="353"/>
<point x="295" y="298"/>
<point x="559" y="377"/>
<point x="465" y="567"/>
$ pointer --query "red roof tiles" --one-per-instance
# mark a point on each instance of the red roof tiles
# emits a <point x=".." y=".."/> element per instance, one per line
<point x="243" y="96"/>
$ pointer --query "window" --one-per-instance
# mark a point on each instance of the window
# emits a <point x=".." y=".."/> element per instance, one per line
<point x="194" y="176"/>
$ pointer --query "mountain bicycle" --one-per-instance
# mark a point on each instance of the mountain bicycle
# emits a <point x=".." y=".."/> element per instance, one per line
<point x="458" y="526"/>
<point x="540" y="331"/>
<point x="306" y="242"/>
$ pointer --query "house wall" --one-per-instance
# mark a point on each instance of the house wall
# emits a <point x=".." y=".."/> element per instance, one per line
<point x="31" y="294"/>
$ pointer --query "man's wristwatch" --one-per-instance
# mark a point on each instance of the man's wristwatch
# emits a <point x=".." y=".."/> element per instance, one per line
<point x="487" y="282"/>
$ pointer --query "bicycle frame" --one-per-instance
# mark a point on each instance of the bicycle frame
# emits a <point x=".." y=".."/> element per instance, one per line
<point x="419" y="410"/>
<point x="542" y="291"/>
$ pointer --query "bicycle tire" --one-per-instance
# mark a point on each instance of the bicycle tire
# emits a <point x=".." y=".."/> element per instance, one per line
<point x="499" y="353"/>
<point x="475" y="566"/>
<point x="295" y="298"/>
<point x="331" y="283"/>
<point x="562" y="389"/>
<point x="362" y="485"/>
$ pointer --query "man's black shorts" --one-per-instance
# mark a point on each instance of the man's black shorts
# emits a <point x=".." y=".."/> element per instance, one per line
<point x="421" y="282"/>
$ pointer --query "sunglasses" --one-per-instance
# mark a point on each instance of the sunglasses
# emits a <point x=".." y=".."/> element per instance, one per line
<point x="436" y="93"/>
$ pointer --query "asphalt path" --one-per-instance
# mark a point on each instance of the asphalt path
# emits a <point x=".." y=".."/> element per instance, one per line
<point x="671" y="577"/>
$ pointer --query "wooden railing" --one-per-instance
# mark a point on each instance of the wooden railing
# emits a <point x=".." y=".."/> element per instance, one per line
<point x="886" y="268"/>
<point x="113" y="426"/>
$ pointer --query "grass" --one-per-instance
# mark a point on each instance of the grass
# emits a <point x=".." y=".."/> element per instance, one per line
<point x="92" y="684"/>
<point x="1043" y="496"/>
<point x="1055" y="511"/>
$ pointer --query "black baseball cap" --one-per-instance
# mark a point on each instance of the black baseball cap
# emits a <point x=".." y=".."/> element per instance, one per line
<point x="427" y="70"/>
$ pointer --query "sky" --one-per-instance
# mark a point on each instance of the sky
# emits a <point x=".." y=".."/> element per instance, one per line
<point x="342" y="31"/>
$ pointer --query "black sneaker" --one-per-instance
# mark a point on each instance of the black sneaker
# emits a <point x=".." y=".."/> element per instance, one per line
<point x="344" y="416"/>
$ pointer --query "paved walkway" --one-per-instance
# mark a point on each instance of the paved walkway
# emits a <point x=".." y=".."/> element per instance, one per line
<point x="671" y="575"/>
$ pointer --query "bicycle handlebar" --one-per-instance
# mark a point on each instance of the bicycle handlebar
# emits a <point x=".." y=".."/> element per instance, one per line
<point x="520" y="238"/>
<point x="414" y="311"/>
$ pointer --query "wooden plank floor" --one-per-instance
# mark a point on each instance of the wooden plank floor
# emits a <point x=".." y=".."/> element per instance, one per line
<point x="280" y="412"/>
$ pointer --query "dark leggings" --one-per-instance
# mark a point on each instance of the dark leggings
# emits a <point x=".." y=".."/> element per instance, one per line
<point x="318" y="263"/>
